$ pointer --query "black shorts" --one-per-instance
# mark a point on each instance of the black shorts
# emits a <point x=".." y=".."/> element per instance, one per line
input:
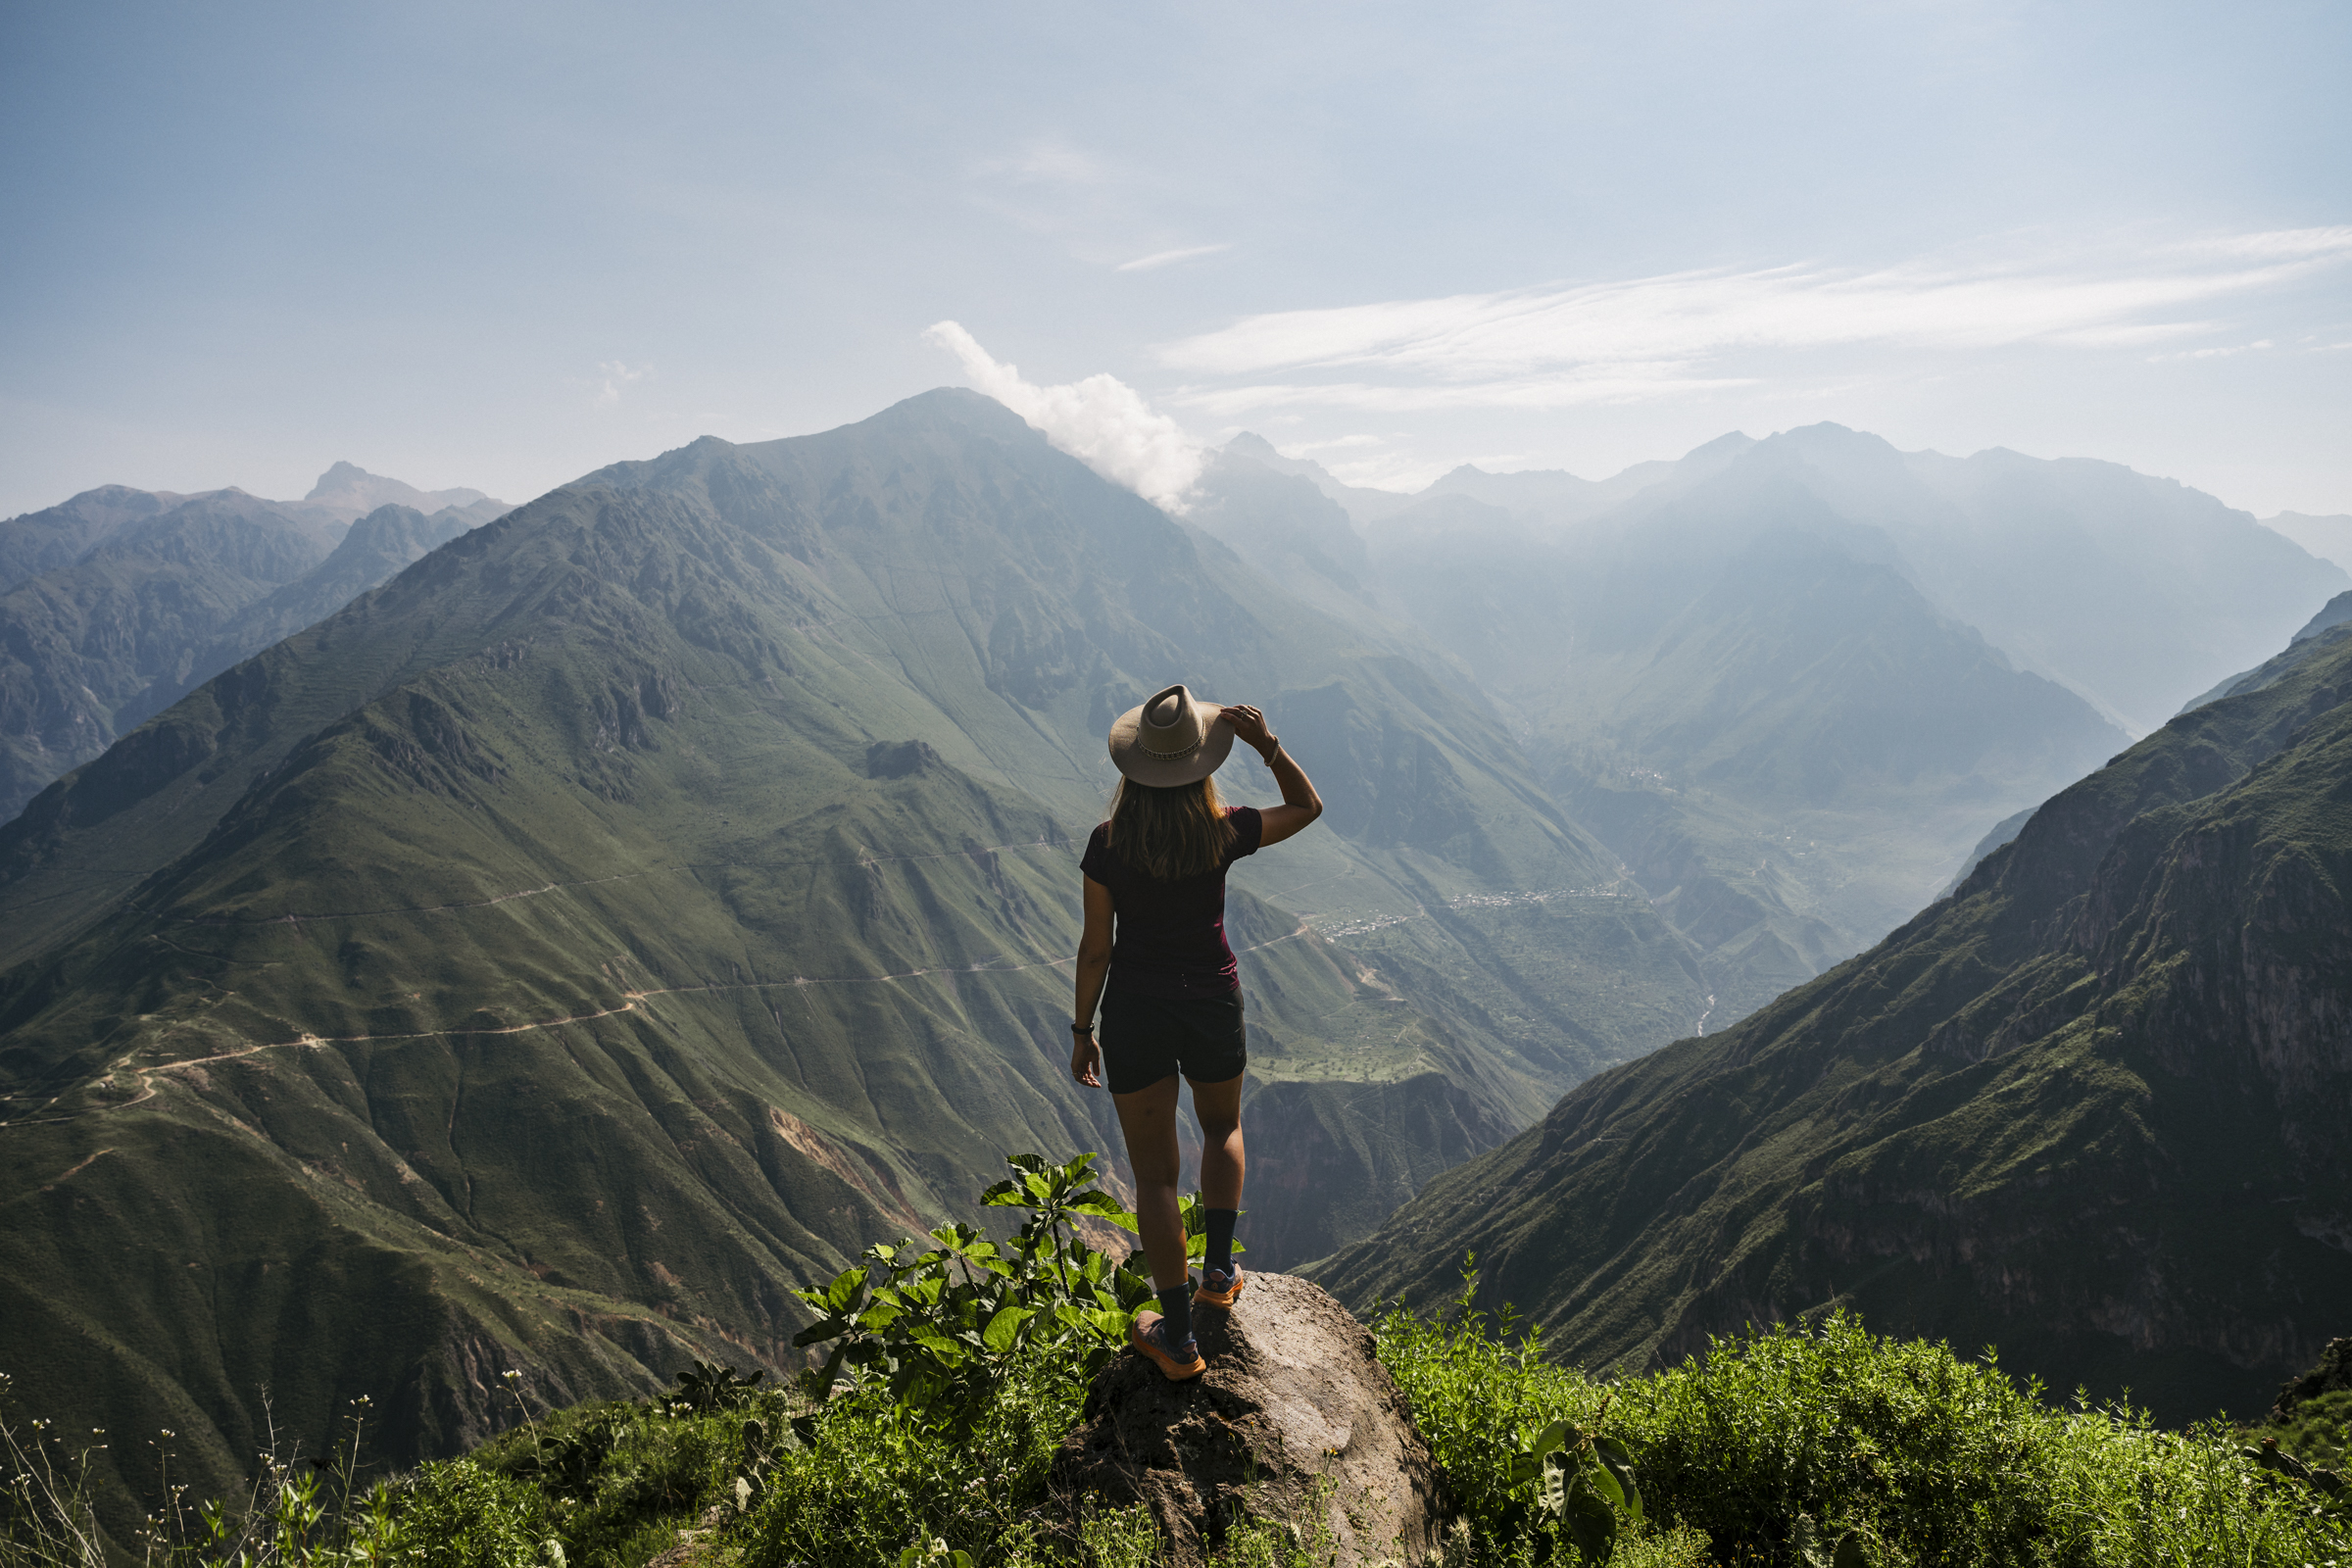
<point x="1146" y="1039"/>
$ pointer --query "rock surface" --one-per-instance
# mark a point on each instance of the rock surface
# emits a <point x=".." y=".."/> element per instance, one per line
<point x="1295" y="1422"/>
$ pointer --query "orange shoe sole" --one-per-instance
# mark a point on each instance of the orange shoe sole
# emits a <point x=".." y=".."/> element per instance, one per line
<point x="1204" y="1296"/>
<point x="1173" y="1370"/>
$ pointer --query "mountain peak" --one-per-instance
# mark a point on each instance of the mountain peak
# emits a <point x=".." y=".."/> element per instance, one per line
<point x="348" y="487"/>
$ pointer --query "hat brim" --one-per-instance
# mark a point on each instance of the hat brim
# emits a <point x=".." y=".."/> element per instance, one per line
<point x="1128" y="756"/>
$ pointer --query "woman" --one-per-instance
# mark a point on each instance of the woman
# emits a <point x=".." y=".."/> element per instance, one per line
<point x="1174" y="1001"/>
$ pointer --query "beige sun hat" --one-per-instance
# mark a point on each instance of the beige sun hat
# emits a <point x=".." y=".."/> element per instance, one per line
<point x="1173" y="738"/>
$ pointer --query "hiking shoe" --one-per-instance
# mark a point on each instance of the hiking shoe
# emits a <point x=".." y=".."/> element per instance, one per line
<point x="1219" y="1287"/>
<point x="1179" y="1363"/>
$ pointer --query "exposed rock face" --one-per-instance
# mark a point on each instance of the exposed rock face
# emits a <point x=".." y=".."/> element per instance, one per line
<point x="2333" y="1375"/>
<point x="1294" y="1422"/>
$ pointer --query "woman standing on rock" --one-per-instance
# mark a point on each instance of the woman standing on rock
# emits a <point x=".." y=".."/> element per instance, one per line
<point x="1174" y="999"/>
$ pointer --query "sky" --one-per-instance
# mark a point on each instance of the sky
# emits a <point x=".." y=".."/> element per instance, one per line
<point x="500" y="245"/>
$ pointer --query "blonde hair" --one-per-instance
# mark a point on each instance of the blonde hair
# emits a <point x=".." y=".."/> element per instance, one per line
<point x="1172" y="833"/>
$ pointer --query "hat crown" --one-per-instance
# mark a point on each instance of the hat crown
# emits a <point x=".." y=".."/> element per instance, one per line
<point x="1172" y="738"/>
<point x="1172" y="723"/>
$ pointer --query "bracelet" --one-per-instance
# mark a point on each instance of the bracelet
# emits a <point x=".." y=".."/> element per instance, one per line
<point x="1268" y="757"/>
<point x="1082" y="1028"/>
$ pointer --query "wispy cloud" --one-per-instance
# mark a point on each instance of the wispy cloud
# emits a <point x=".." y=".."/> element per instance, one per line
<point x="1051" y="163"/>
<point x="1102" y="422"/>
<point x="1157" y="259"/>
<point x="1696" y="332"/>
<point x="612" y="376"/>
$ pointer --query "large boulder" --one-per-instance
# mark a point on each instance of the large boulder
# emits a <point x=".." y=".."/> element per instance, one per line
<point x="1296" y="1423"/>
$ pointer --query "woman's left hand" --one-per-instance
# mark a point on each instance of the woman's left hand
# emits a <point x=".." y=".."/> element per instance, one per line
<point x="1249" y="724"/>
<point x="1085" y="1061"/>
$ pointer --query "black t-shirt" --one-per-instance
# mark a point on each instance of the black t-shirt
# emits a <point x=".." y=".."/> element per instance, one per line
<point x="1169" y="939"/>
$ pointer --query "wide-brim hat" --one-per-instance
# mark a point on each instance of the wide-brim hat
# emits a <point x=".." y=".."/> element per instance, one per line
<point x="1174" y="738"/>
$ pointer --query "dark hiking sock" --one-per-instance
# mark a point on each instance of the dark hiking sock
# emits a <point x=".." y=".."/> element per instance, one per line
<point x="1176" y="1309"/>
<point x="1220" y="1239"/>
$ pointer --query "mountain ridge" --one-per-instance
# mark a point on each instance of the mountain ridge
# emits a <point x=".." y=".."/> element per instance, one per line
<point x="2017" y="1120"/>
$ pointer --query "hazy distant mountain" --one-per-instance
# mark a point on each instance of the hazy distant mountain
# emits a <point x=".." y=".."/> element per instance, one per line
<point x="82" y="642"/>
<point x="1363" y="503"/>
<point x="2090" y="1109"/>
<point x="641" y="904"/>
<point x="39" y="542"/>
<point x="1747" y="696"/>
<point x="2329" y="537"/>
<point x="1792" y="682"/>
<point x="120" y="601"/>
<point x="2320" y="634"/>
<point x="2135" y="592"/>
<point x="376" y="547"/>
<point x="1553" y="496"/>
<point x="349" y="487"/>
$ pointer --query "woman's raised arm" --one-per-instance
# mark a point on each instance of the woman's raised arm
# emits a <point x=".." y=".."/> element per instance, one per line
<point x="1300" y="805"/>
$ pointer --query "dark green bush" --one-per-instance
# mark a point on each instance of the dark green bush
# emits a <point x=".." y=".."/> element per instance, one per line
<point x="457" y="1513"/>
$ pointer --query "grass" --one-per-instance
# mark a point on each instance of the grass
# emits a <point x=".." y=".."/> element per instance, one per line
<point x="1774" y="1439"/>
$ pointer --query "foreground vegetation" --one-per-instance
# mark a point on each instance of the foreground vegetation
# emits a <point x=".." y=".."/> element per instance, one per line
<point x="926" y="1439"/>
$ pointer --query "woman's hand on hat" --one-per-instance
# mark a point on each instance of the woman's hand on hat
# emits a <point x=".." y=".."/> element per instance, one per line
<point x="1249" y="726"/>
<point x="1085" y="1061"/>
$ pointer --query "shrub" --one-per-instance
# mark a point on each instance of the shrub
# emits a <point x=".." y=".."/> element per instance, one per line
<point x="1778" y="1444"/>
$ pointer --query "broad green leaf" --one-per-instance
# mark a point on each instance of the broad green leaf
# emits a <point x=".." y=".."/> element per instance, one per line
<point x="879" y="1316"/>
<point x="1004" y="1328"/>
<point x="819" y="1333"/>
<point x="843" y="1293"/>
<point x="1606" y="1485"/>
<point x="1592" y="1526"/>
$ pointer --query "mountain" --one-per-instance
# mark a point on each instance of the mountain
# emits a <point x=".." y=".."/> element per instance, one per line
<point x="2090" y="1109"/>
<point x="645" y="900"/>
<point x="348" y="487"/>
<point x="1744" y="693"/>
<point x="2130" y="590"/>
<point x="120" y="601"/>
<point x="2329" y="537"/>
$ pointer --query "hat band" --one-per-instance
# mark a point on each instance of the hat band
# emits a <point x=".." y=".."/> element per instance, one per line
<point x="1168" y="757"/>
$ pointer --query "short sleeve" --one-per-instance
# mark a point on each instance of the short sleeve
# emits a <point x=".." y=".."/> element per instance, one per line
<point x="1095" y="862"/>
<point x="1248" y="830"/>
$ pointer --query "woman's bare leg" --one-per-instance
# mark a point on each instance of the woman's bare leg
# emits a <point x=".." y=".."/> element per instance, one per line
<point x="1218" y="1108"/>
<point x="1147" y="1119"/>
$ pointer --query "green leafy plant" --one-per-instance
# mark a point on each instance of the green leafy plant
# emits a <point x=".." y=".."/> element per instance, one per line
<point x="1584" y="1482"/>
<point x="707" y="1388"/>
<point x="2327" y="1487"/>
<point x="942" y="1324"/>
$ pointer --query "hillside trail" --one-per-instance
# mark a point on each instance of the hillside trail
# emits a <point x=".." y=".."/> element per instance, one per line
<point x="145" y="1075"/>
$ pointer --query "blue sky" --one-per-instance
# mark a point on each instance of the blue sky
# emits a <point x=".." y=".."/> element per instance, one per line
<point x="498" y="245"/>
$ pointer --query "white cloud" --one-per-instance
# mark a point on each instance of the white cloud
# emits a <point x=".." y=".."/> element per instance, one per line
<point x="1101" y="421"/>
<point x="1158" y="258"/>
<point x="611" y="375"/>
<point x="1645" y="337"/>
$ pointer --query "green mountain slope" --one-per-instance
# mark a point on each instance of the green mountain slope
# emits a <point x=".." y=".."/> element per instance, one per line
<point x="2089" y="1109"/>
<point x="646" y="900"/>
